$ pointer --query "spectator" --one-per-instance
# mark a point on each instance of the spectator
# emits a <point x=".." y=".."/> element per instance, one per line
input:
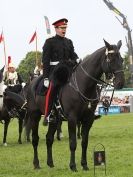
<point x="105" y="106"/>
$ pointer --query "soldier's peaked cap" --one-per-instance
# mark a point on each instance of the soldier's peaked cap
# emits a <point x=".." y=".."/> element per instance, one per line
<point x="60" y="22"/>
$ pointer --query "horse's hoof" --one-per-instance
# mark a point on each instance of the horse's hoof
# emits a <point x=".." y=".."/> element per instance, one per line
<point x="85" y="168"/>
<point x="28" y="141"/>
<point x="5" y="144"/>
<point x="37" y="167"/>
<point x="19" y="142"/>
<point x="58" y="138"/>
<point x="51" y="165"/>
<point x="74" y="169"/>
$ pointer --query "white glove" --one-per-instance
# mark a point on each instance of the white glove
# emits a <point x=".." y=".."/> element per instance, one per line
<point x="46" y="82"/>
<point x="23" y="84"/>
<point x="78" y="60"/>
<point x="4" y="87"/>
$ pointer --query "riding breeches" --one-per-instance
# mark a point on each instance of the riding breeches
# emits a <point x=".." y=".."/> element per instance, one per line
<point x="50" y="98"/>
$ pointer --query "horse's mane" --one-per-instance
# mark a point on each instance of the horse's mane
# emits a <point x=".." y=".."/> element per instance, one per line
<point x="87" y="57"/>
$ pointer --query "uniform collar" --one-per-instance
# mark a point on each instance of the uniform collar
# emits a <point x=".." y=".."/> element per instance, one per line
<point x="59" y="37"/>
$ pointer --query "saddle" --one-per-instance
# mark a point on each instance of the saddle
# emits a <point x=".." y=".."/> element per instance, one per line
<point x="39" y="87"/>
<point x="41" y="90"/>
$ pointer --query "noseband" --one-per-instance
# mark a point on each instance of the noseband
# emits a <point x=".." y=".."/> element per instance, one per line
<point x="107" y="52"/>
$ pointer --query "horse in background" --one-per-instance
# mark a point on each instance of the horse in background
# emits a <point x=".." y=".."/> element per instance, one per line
<point x="10" y="107"/>
<point x="1" y="88"/>
<point x="79" y="100"/>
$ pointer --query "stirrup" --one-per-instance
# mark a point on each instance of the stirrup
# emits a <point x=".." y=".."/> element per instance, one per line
<point x="24" y="105"/>
<point x="50" y="117"/>
<point x="59" y="109"/>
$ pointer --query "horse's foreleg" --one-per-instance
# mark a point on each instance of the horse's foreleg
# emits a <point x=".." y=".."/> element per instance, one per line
<point x="6" y="123"/>
<point x="35" y="140"/>
<point x="20" y="122"/>
<point x="78" y="130"/>
<point x="59" y="130"/>
<point x="49" y="142"/>
<point x="85" y="135"/>
<point x="72" y="143"/>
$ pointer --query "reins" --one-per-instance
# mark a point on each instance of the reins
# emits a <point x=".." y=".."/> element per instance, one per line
<point x="101" y="82"/>
<point x="76" y="88"/>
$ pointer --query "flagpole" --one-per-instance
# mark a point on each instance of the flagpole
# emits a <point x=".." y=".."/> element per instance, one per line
<point x="4" y="52"/>
<point x="4" y="49"/>
<point x="36" y="48"/>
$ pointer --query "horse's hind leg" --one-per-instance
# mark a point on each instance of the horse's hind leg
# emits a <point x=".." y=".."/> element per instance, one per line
<point x="20" y="122"/>
<point x="27" y="127"/>
<point x="6" y="123"/>
<point x="34" y="120"/>
<point x="59" y="130"/>
<point x="49" y="142"/>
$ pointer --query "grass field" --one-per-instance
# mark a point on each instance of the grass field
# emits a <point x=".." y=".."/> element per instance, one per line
<point x="115" y="132"/>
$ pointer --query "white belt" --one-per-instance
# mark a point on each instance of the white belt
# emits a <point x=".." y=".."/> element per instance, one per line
<point x="11" y="84"/>
<point x="54" y="62"/>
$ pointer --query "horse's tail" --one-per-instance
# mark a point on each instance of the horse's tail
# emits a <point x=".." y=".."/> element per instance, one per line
<point x="27" y="127"/>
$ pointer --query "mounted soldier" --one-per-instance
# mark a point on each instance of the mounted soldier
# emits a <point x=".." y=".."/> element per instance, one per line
<point x="12" y="89"/>
<point x="58" y="60"/>
<point x="12" y="79"/>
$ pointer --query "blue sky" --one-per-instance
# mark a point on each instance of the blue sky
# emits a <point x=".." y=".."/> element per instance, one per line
<point x="89" y="22"/>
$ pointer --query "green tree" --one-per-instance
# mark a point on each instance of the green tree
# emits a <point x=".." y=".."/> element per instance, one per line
<point x="126" y="67"/>
<point x="27" y="64"/>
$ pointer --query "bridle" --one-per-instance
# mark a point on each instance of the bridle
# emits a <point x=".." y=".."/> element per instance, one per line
<point x="101" y="82"/>
<point x="108" y="60"/>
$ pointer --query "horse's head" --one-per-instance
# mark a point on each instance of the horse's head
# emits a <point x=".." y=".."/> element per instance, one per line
<point x="113" y="64"/>
<point x="1" y="74"/>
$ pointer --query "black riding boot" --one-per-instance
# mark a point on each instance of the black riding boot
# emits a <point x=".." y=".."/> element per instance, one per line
<point x="49" y="103"/>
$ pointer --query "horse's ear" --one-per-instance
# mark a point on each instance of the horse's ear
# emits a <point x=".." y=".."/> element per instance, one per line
<point x="119" y="44"/>
<point x="106" y="44"/>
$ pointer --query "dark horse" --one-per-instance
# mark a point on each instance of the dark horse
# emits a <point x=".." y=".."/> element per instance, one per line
<point x="79" y="99"/>
<point x="10" y="107"/>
